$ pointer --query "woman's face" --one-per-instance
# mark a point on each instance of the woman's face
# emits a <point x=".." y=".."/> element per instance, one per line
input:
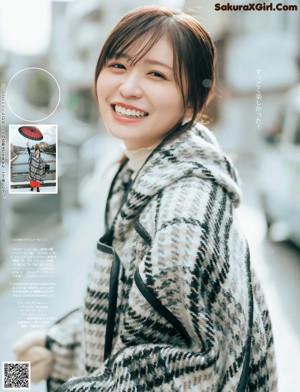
<point x="140" y="103"/>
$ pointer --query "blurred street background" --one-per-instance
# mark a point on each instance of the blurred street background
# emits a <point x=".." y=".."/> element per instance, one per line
<point x="255" y="116"/>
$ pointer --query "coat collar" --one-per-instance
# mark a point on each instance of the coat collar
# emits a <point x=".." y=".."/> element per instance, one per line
<point x="193" y="153"/>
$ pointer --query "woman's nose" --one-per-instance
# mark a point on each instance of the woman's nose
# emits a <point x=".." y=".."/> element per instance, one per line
<point x="131" y="86"/>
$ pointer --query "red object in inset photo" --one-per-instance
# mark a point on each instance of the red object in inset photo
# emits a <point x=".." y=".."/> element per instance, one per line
<point x="34" y="184"/>
<point x="31" y="132"/>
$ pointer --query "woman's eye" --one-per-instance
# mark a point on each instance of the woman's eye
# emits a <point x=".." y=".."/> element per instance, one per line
<point x="157" y="74"/>
<point x="116" y="66"/>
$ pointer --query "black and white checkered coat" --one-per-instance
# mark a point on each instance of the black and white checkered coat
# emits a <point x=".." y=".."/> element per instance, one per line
<point x="178" y="320"/>
<point x="36" y="167"/>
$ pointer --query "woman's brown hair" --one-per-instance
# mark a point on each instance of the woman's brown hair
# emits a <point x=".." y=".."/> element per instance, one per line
<point x="193" y="50"/>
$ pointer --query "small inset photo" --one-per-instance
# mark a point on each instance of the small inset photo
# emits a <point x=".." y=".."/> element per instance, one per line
<point x="33" y="159"/>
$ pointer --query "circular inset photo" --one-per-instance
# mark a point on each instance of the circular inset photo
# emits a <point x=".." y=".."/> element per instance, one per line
<point x="33" y="94"/>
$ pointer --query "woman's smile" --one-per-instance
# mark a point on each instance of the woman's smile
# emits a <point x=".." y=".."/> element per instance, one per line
<point x="123" y="112"/>
<point x="140" y="103"/>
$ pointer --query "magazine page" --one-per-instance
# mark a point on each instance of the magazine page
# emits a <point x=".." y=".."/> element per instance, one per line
<point x="96" y="267"/>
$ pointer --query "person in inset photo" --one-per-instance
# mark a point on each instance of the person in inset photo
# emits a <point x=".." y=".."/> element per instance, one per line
<point x="37" y="171"/>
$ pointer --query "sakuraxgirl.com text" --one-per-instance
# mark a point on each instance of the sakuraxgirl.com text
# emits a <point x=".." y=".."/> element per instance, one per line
<point x="256" y="7"/>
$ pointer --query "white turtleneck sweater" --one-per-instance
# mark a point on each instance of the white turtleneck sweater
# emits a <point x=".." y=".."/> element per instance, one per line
<point x="137" y="158"/>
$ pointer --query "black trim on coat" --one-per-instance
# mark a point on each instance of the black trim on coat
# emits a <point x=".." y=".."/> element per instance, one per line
<point x="160" y="308"/>
<point x="104" y="245"/>
<point x="142" y="232"/>
<point x="243" y="383"/>
<point x="111" y="191"/>
<point x="112" y="305"/>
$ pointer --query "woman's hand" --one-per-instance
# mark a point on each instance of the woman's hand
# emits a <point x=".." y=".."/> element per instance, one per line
<point x="31" y="347"/>
<point x="27" y="144"/>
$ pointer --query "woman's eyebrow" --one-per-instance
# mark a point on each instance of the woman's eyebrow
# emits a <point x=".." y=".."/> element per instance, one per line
<point x="120" y="55"/>
<point x="147" y="61"/>
<point x="157" y="62"/>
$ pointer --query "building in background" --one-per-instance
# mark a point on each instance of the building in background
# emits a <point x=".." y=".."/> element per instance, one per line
<point x="262" y="55"/>
<point x="250" y="43"/>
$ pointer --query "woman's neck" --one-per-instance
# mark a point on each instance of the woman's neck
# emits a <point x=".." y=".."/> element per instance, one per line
<point x="137" y="158"/>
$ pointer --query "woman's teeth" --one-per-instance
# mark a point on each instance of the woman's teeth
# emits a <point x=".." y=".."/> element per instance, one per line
<point x="129" y="112"/>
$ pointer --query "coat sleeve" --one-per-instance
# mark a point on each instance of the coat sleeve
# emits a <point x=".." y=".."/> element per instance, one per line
<point x="42" y="169"/>
<point x="184" y="329"/>
<point x="64" y="340"/>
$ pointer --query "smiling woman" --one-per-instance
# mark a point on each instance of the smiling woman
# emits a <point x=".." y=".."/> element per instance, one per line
<point x="164" y="42"/>
<point x="132" y="97"/>
<point x="172" y="303"/>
